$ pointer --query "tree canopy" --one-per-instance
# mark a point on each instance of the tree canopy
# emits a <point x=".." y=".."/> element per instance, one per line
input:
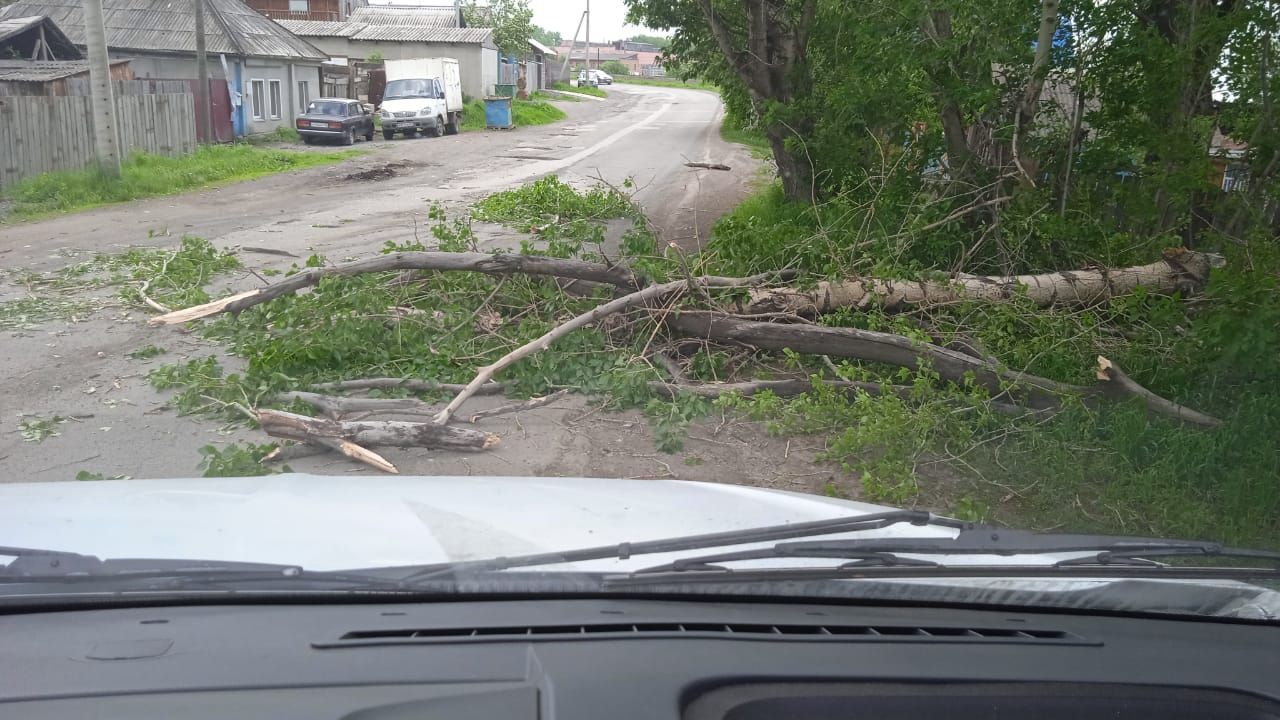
<point x="511" y="20"/>
<point x="550" y="38"/>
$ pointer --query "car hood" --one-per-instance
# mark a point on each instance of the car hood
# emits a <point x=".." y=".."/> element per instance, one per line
<point x="405" y="104"/>
<point x="326" y="523"/>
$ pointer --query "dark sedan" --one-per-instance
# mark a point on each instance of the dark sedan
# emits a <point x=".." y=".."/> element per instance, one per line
<point x="337" y="119"/>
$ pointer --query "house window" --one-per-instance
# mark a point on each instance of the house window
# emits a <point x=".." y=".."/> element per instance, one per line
<point x="258" y="99"/>
<point x="275" y="100"/>
<point x="304" y="97"/>
<point x="299" y="6"/>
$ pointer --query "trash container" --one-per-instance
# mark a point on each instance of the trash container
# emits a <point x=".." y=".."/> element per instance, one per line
<point x="497" y="113"/>
<point x="504" y="90"/>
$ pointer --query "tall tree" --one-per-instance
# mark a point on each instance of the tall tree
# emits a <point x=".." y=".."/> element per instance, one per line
<point x="511" y="20"/>
<point x="550" y="38"/>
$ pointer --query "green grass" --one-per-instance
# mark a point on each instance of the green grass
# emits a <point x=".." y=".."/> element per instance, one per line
<point x="525" y="113"/>
<point x="282" y="134"/>
<point x="146" y="175"/>
<point x="666" y="82"/>
<point x="750" y="137"/>
<point x="581" y="90"/>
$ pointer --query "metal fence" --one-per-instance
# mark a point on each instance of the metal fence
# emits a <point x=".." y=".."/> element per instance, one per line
<point x="43" y="134"/>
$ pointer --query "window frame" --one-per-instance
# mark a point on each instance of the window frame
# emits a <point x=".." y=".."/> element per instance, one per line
<point x="258" y="99"/>
<point x="305" y="4"/>
<point x="304" y="96"/>
<point x="275" y="99"/>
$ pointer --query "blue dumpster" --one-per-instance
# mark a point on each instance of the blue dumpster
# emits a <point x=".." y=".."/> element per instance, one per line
<point x="497" y="113"/>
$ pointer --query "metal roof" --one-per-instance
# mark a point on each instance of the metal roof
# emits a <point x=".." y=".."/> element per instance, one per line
<point x="34" y="71"/>
<point x="59" y="43"/>
<point x="418" y="17"/>
<point x="397" y="33"/>
<point x="542" y="48"/>
<point x="169" y="26"/>
<point x="319" y="28"/>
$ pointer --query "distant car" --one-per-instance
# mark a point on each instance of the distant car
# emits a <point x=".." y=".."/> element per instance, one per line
<point x="335" y="119"/>
<point x="593" y="78"/>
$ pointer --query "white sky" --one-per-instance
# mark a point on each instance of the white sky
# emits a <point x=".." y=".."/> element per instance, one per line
<point x="608" y="18"/>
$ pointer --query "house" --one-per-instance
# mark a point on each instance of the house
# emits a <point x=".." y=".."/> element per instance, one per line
<point x="404" y="32"/>
<point x="35" y="38"/>
<point x="600" y="53"/>
<point x="270" y="73"/>
<point x="321" y="10"/>
<point x="49" y="78"/>
<point x="538" y="65"/>
<point x="648" y="60"/>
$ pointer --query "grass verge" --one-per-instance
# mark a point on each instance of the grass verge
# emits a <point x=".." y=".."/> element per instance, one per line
<point x="694" y="84"/>
<point x="581" y="90"/>
<point x="524" y="112"/>
<point x="144" y="175"/>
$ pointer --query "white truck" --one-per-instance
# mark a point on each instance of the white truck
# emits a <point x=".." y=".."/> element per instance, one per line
<point x="422" y="95"/>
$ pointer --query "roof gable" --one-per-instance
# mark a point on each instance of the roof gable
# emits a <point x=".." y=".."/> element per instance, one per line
<point x="231" y="27"/>
<point x="22" y="34"/>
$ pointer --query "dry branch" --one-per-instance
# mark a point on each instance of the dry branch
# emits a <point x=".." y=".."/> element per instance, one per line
<point x="1179" y="271"/>
<point x="519" y="407"/>
<point x="708" y="166"/>
<point x="501" y="264"/>
<point x="409" y="384"/>
<point x="781" y="388"/>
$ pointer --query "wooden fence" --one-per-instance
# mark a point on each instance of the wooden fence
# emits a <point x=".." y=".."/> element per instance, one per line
<point x="42" y="134"/>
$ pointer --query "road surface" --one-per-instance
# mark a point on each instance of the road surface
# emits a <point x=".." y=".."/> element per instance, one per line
<point x="116" y="424"/>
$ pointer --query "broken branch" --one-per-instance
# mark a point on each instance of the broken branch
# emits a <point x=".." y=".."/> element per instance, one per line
<point x="394" y="433"/>
<point x="337" y="407"/>
<point x="518" y="407"/>
<point x="1121" y="385"/>
<point x="407" y="384"/>
<point x="500" y="264"/>
<point x="708" y="166"/>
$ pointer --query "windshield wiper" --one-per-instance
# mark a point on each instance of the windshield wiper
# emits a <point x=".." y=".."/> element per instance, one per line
<point x="623" y="551"/>
<point x="1108" y="556"/>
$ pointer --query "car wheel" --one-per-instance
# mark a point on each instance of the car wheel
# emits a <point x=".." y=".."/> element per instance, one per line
<point x="369" y="135"/>
<point x="451" y="128"/>
<point x="350" y="137"/>
<point x="438" y="130"/>
<point x="388" y="134"/>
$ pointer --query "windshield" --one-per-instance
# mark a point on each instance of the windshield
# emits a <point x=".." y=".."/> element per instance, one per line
<point x="410" y="88"/>
<point x="336" y="109"/>
<point x="1011" y="268"/>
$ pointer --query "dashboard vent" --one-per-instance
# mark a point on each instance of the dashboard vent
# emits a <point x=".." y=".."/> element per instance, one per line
<point x="892" y="633"/>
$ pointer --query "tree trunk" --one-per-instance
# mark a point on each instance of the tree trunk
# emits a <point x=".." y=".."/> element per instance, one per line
<point x="392" y="433"/>
<point x="794" y="168"/>
<point x="1180" y="271"/>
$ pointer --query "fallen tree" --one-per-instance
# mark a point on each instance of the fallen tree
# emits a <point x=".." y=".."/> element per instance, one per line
<point x="1179" y="271"/>
<point x="772" y="326"/>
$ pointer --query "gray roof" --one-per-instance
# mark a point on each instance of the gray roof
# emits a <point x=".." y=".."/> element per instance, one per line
<point x="417" y="17"/>
<point x="169" y="26"/>
<point x="398" y="33"/>
<point x="320" y="28"/>
<point x="35" y="71"/>
<point x="59" y="43"/>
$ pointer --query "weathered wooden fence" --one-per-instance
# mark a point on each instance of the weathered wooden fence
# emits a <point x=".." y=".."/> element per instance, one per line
<point x="42" y="134"/>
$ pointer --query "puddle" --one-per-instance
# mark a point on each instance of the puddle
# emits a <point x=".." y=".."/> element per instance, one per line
<point x="379" y="172"/>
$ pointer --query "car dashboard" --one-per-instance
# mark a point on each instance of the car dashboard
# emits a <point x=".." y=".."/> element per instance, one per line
<point x="706" y="659"/>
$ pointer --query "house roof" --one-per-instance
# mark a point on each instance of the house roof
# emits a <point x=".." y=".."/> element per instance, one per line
<point x="541" y="48"/>
<point x="320" y="28"/>
<point x="402" y="33"/>
<point x="169" y="26"/>
<point x="416" y="17"/>
<point x="61" y="46"/>
<point x="37" y="71"/>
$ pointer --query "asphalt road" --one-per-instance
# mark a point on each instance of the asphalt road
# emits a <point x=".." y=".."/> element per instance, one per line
<point x="116" y="424"/>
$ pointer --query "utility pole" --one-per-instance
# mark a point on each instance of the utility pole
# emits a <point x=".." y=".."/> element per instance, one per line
<point x="588" y="53"/>
<point x="104" y="106"/>
<point x="202" y="80"/>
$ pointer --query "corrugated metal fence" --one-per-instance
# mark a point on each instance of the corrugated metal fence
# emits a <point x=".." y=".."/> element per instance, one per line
<point x="42" y="134"/>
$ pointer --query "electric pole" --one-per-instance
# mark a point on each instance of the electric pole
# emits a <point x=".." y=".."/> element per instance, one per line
<point x="588" y="54"/>
<point x="104" y="106"/>
<point x="206" y="133"/>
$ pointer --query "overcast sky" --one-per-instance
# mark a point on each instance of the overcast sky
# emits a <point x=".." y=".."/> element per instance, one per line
<point x="608" y="18"/>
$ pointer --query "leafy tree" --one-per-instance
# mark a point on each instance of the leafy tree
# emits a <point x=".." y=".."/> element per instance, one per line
<point x="550" y="38"/>
<point x="511" y="20"/>
<point x="613" y="67"/>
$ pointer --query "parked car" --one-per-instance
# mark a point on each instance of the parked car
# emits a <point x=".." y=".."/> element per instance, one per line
<point x="594" y="78"/>
<point x="336" y="119"/>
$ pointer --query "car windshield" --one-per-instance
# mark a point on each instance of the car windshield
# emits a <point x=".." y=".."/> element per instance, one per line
<point x="909" y="302"/>
<point x="320" y="107"/>
<point x="409" y="88"/>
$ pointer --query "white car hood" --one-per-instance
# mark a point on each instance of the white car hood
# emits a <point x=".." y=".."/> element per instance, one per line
<point x="326" y="523"/>
<point x="413" y="105"/>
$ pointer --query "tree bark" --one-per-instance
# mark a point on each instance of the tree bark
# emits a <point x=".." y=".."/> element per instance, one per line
<point x="392" y="433"/>
<point x="1179" y="271"/>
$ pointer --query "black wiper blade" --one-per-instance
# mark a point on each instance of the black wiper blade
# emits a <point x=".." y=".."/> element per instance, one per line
<point x="847" y="524"/>
<point x="1118" y="555"/>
